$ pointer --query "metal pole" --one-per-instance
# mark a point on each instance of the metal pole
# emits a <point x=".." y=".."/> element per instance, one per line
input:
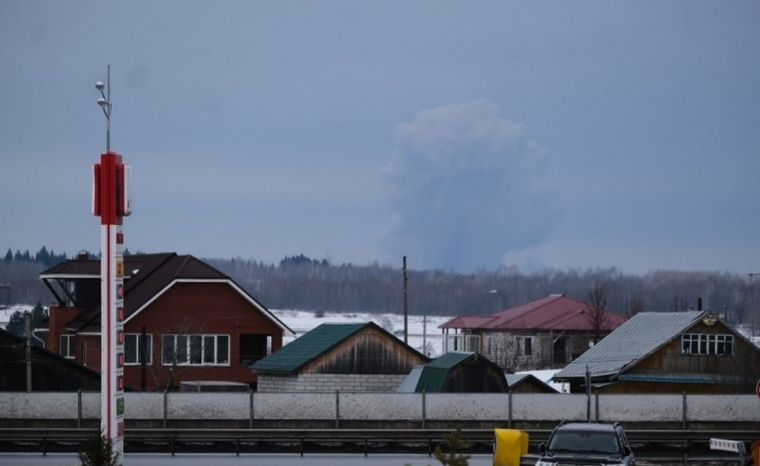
<point x="108" y="104"/>
<point x="752" y="301"/>
<point x="105" y="104"/>
<point x="406" y="324"/>
<point x="588" y="394"/>
<point x="28" y="334"/>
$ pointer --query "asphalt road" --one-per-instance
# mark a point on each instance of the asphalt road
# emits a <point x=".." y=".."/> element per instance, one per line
<point x="139" y="459"/>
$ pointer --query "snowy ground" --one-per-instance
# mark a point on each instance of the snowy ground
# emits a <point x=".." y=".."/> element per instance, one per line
<point x="421" y="329"/>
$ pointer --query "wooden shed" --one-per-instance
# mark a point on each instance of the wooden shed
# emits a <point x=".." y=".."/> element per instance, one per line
<point x="457" y="372"/>
<point x="346" y="357"/>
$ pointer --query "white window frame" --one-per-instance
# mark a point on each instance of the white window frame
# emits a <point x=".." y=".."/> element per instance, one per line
<point x="134" y="360"/>
<point x="67" y="346"/>
<point x="708" y="344"/>
<point x="454" y="342"/>
<point x="200" y="349"/>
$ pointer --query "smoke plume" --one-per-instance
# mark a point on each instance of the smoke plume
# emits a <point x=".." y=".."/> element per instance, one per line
<point x="465" y="188"/>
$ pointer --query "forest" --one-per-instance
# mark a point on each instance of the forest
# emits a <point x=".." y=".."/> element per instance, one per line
<point x="300" y="282"/>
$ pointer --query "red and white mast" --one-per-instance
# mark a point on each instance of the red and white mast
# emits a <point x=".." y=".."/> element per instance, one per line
<point x="112" y="200"/>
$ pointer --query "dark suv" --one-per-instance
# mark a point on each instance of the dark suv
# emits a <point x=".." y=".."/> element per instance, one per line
<point x="586" y="443"/>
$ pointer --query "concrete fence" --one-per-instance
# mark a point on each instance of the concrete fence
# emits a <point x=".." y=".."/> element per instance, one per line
<point x="420" y="409"/>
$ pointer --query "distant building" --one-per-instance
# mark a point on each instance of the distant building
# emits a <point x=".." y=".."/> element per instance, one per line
<point x="456" y="372"/>
<point x="183" y="321"/>
<point x="543" y="334"/>
<point x="528" y="383"/>
<point x="356" y="357"/>
<point x="668" y="352"/>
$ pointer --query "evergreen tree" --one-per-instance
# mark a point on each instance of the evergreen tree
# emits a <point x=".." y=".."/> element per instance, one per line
<point x="17" y="325"/>
<point x="42" y="256"/>
<point x="9" y="256"/>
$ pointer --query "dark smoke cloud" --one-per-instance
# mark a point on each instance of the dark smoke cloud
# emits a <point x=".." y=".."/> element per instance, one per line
<point x="466" y="188"/>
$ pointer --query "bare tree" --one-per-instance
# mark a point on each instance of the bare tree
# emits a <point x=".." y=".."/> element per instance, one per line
<point x="635" y="305"/>
<point x="679" y="304"/>
<point x="596" y="306"/>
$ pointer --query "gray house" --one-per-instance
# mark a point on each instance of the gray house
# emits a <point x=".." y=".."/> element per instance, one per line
<point x="668" y="352"/>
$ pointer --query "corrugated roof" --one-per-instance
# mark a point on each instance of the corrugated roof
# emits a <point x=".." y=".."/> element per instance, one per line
<point x="302" y="350"/>
<point x="554" y="312"/>
<point x="637" y="338"/>
<point x="433" y="375"/>
<point x="409" y="384"/>
<point x="466" y="322"/>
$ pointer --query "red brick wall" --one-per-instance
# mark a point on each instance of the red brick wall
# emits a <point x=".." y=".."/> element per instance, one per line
<point x="58" y="317"/>
<point x="189" y="308"/>
<point x="199" y="308"/>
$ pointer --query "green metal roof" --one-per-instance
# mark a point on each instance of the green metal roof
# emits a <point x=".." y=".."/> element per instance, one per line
<point x="680" y="378"/>
<point x="433" y="375"/>
<point x="302" y="350"/>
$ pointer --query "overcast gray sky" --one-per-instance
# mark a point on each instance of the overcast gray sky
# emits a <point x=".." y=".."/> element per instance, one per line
<point x="463" y="135"/>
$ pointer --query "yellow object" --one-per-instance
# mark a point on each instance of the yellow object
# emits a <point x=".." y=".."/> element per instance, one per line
<point x="509" y="446"/>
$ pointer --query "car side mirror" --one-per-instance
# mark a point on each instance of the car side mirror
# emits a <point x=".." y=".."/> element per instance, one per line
<point x="541" y="448"/>
<point x="627" y="450"/>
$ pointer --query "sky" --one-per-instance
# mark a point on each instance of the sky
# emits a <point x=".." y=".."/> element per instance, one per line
<point x="462" y="135"/>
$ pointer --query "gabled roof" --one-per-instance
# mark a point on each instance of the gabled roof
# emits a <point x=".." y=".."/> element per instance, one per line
<point x="642" y="335"/>
<point x="554" y="312"/>
<point x="302" y="350"/>
<point x="146" y="277"/>
<point x="515" y="380"/>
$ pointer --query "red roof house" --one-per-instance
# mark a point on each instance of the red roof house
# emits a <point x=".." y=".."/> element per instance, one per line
<point x="542" y="334"/>
<point x="184" y="321"/>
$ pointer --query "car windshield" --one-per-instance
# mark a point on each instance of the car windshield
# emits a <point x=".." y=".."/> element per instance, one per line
<point x="584" y="441"/>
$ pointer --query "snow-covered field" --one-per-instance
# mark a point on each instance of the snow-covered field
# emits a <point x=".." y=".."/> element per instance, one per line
<point x="421" y="329"/>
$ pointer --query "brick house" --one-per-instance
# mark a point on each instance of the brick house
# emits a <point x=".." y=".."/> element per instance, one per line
<point x="543" y="334"/>
<point x="184" y="321"/>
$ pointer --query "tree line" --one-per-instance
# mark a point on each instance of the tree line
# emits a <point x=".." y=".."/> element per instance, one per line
<point x="300" y="282"/>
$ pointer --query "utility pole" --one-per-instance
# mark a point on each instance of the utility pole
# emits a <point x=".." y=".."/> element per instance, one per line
<point x="752" y="302"/>
<point x="406" y="323"/>
<point x="28" y="334"/>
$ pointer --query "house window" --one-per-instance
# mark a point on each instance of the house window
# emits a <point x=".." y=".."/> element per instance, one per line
<point x="67" y="348"/>
<point x="524" y="346"/>
<point x="707" y="344"/>
<point x="473" y="343"/>
<point x="133" y="348"/>
<point x="196" y="350"/>
<point x="453" y="343"/>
